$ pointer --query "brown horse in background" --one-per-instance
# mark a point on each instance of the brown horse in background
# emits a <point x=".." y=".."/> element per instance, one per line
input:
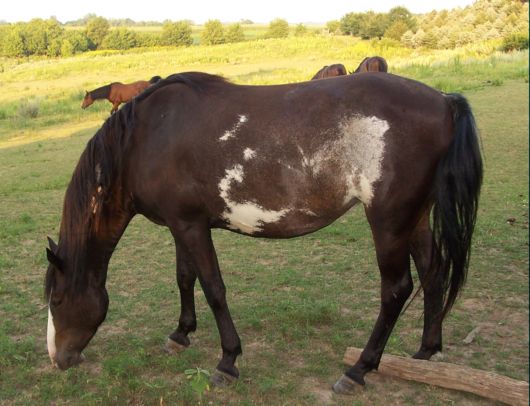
<point x="337" y="69"/>
<point x="117" y="92"/>
<point x="369" y="64"/>
<point x="372" y="64"/>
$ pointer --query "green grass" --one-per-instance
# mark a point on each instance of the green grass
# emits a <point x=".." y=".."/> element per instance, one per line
<point x="298" y="303"/>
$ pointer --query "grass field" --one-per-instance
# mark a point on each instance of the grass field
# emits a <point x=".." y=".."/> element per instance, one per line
<point x="298" y="303"/>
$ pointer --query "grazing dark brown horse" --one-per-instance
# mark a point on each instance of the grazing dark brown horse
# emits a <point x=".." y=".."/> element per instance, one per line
<point x="194" y="152"/>
<point x="117" y="93"/>
<point x="337" y="69"/>
<point x="372" y="64"/>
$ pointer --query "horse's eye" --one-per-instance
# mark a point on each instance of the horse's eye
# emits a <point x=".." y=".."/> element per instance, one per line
<point x="56" y="302"/>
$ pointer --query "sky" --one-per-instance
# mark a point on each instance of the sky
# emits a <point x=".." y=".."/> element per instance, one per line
<point x="199" y="11"/>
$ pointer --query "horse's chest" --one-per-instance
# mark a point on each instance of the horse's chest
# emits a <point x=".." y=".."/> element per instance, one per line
<point x="301" y="184"/>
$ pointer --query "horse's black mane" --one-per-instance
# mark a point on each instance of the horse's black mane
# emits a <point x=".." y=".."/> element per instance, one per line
<point x="199" y="81"/>
<point x="101" y="92"/>
<point x="100" y="165"/>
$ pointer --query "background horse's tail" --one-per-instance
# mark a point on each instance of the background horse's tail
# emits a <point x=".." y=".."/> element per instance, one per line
<point x="456" y="195"/>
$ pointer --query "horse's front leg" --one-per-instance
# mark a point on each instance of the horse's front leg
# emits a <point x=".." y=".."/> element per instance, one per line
<point x="186" y="277"/>
<point x="195" y="239"/>
<point x="396" y="286"/>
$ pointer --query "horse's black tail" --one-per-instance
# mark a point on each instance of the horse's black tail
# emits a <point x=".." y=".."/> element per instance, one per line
<point x="456" y="195"/>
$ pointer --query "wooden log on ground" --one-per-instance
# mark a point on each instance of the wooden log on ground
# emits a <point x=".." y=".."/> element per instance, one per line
<point x="451" y="376"/>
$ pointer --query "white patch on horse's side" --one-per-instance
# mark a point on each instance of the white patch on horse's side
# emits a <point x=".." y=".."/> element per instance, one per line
<point x="356" y="156"/>
<point x="248" y="154"/>
<point x="248" y="217"/>
<point x="242" y="119"/>
<point x="362" y="148"/>
<point x="50" y="337"/>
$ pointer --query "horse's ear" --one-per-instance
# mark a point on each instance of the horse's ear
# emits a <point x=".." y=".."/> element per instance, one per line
<point x="54" y="259"/>
<point x="53" y="245"/>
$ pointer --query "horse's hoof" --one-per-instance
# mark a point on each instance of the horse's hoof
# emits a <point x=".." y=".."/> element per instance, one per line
<point x="172" y="347"/>
<point x="346" y="386"/>
<point x="221" y="379"/>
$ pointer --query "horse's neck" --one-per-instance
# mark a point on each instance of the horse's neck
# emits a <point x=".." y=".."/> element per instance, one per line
<point x="102" y="92"/>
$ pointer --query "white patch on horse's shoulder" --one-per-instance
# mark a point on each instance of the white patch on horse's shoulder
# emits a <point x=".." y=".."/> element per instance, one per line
<point x="248" y="154"/>
<point x="248" y="217"/>
<point x="50" y="337"/>
<point x="241" y="119"/>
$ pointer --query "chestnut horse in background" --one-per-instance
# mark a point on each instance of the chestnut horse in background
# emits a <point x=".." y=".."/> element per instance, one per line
<point x="117" y="92"/>
<point x="372" y="64"/>
<point x="337" y="69"/>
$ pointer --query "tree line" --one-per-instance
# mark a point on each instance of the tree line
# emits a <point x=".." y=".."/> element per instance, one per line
<point x="484" y="20"/>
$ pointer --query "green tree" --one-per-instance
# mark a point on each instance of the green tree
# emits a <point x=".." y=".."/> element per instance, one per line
<point x="35" y="37"/>
<point x="54" y="37"/>
<point x="213" y="33"/>
<point x="278" y="28"/>
<point x="350" y="24"/>
<point x="13" y="42"/>
<point x="234" y="33"/>
<point x="74" y="42"/>
<point x="373" y="25"/>
<point x="333" y="26"/>
<point x="97" y="29"/>
<point x="177" y="34"/>
<point x="407" y="39"/>
<point x="120" y="38"/>
<point x="300" y="30"/>
<point x="396" y="30"/>
<point x="403" y="15"/>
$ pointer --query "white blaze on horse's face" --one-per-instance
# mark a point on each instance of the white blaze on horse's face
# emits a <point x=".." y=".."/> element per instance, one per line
<point x="247" y="217"/>
<point x="50" y="337"/>
<point x="242" y="119"/>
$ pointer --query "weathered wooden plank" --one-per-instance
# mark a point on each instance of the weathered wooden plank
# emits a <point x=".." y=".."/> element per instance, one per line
<point x="451" y="376"/>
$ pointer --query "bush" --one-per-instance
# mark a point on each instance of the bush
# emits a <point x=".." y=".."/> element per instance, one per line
<point x="213" y="33"/>
<point x="234" y="33"/>
<point x="278" y="28"/>
<point x="515" y="42"/>
<point x="177" y="34"/>
<point x="74" y="42"/>
<point x="97" y="29"/>
<point x="28" y="109"/>
<point x="120" y="38"/>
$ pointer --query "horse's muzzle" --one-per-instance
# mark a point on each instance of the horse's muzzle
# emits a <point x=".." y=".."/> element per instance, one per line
<point x="68" y="359"/>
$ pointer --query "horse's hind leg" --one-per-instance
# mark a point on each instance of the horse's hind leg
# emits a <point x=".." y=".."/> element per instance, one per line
<point x="393" y="258"/>
<point x="421" y="248"/>
<point x="196" y="240"/>
<point x="186" y="277"/>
